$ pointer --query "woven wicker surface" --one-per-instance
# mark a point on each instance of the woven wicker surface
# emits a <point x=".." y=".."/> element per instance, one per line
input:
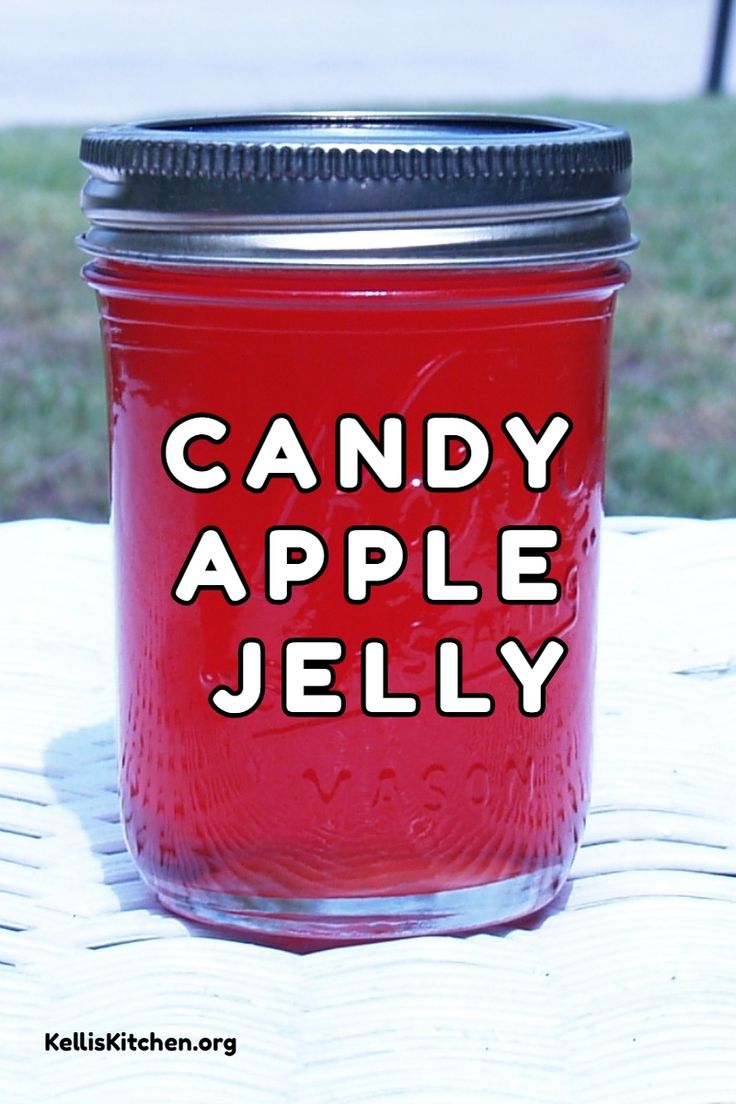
<point x="625" y="990"/>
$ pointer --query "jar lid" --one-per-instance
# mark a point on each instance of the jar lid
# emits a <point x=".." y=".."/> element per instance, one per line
<point x="358" y="189"/>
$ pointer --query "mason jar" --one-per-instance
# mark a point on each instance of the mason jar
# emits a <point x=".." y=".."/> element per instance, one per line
<point x="357" y="375"/>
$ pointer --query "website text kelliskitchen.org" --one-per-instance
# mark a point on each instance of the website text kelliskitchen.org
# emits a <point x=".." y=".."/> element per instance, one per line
<point x="118" y="1041"/>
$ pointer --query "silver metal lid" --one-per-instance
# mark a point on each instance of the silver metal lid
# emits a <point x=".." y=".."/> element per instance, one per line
<point x="337" y="189"/>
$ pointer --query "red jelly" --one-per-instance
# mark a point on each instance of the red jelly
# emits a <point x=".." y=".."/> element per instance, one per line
<point x="329" y="722"/>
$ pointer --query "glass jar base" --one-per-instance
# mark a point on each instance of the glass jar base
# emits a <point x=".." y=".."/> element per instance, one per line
<point x="327" y="921"/>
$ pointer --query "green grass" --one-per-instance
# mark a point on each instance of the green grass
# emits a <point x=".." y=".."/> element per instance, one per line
<point x="673" y="402"/>
<point x="52" y="397"/>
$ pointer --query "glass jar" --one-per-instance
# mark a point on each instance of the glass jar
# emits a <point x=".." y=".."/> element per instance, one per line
<point x="357" y="376"/>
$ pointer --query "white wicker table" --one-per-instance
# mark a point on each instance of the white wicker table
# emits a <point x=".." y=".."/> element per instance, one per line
<point x="625" y="991"/>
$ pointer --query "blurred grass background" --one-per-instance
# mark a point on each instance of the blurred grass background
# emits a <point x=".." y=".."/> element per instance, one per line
<point x="673" y="400"/>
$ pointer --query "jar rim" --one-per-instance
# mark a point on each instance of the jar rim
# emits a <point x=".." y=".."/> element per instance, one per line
<point x="342" y="188"/>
